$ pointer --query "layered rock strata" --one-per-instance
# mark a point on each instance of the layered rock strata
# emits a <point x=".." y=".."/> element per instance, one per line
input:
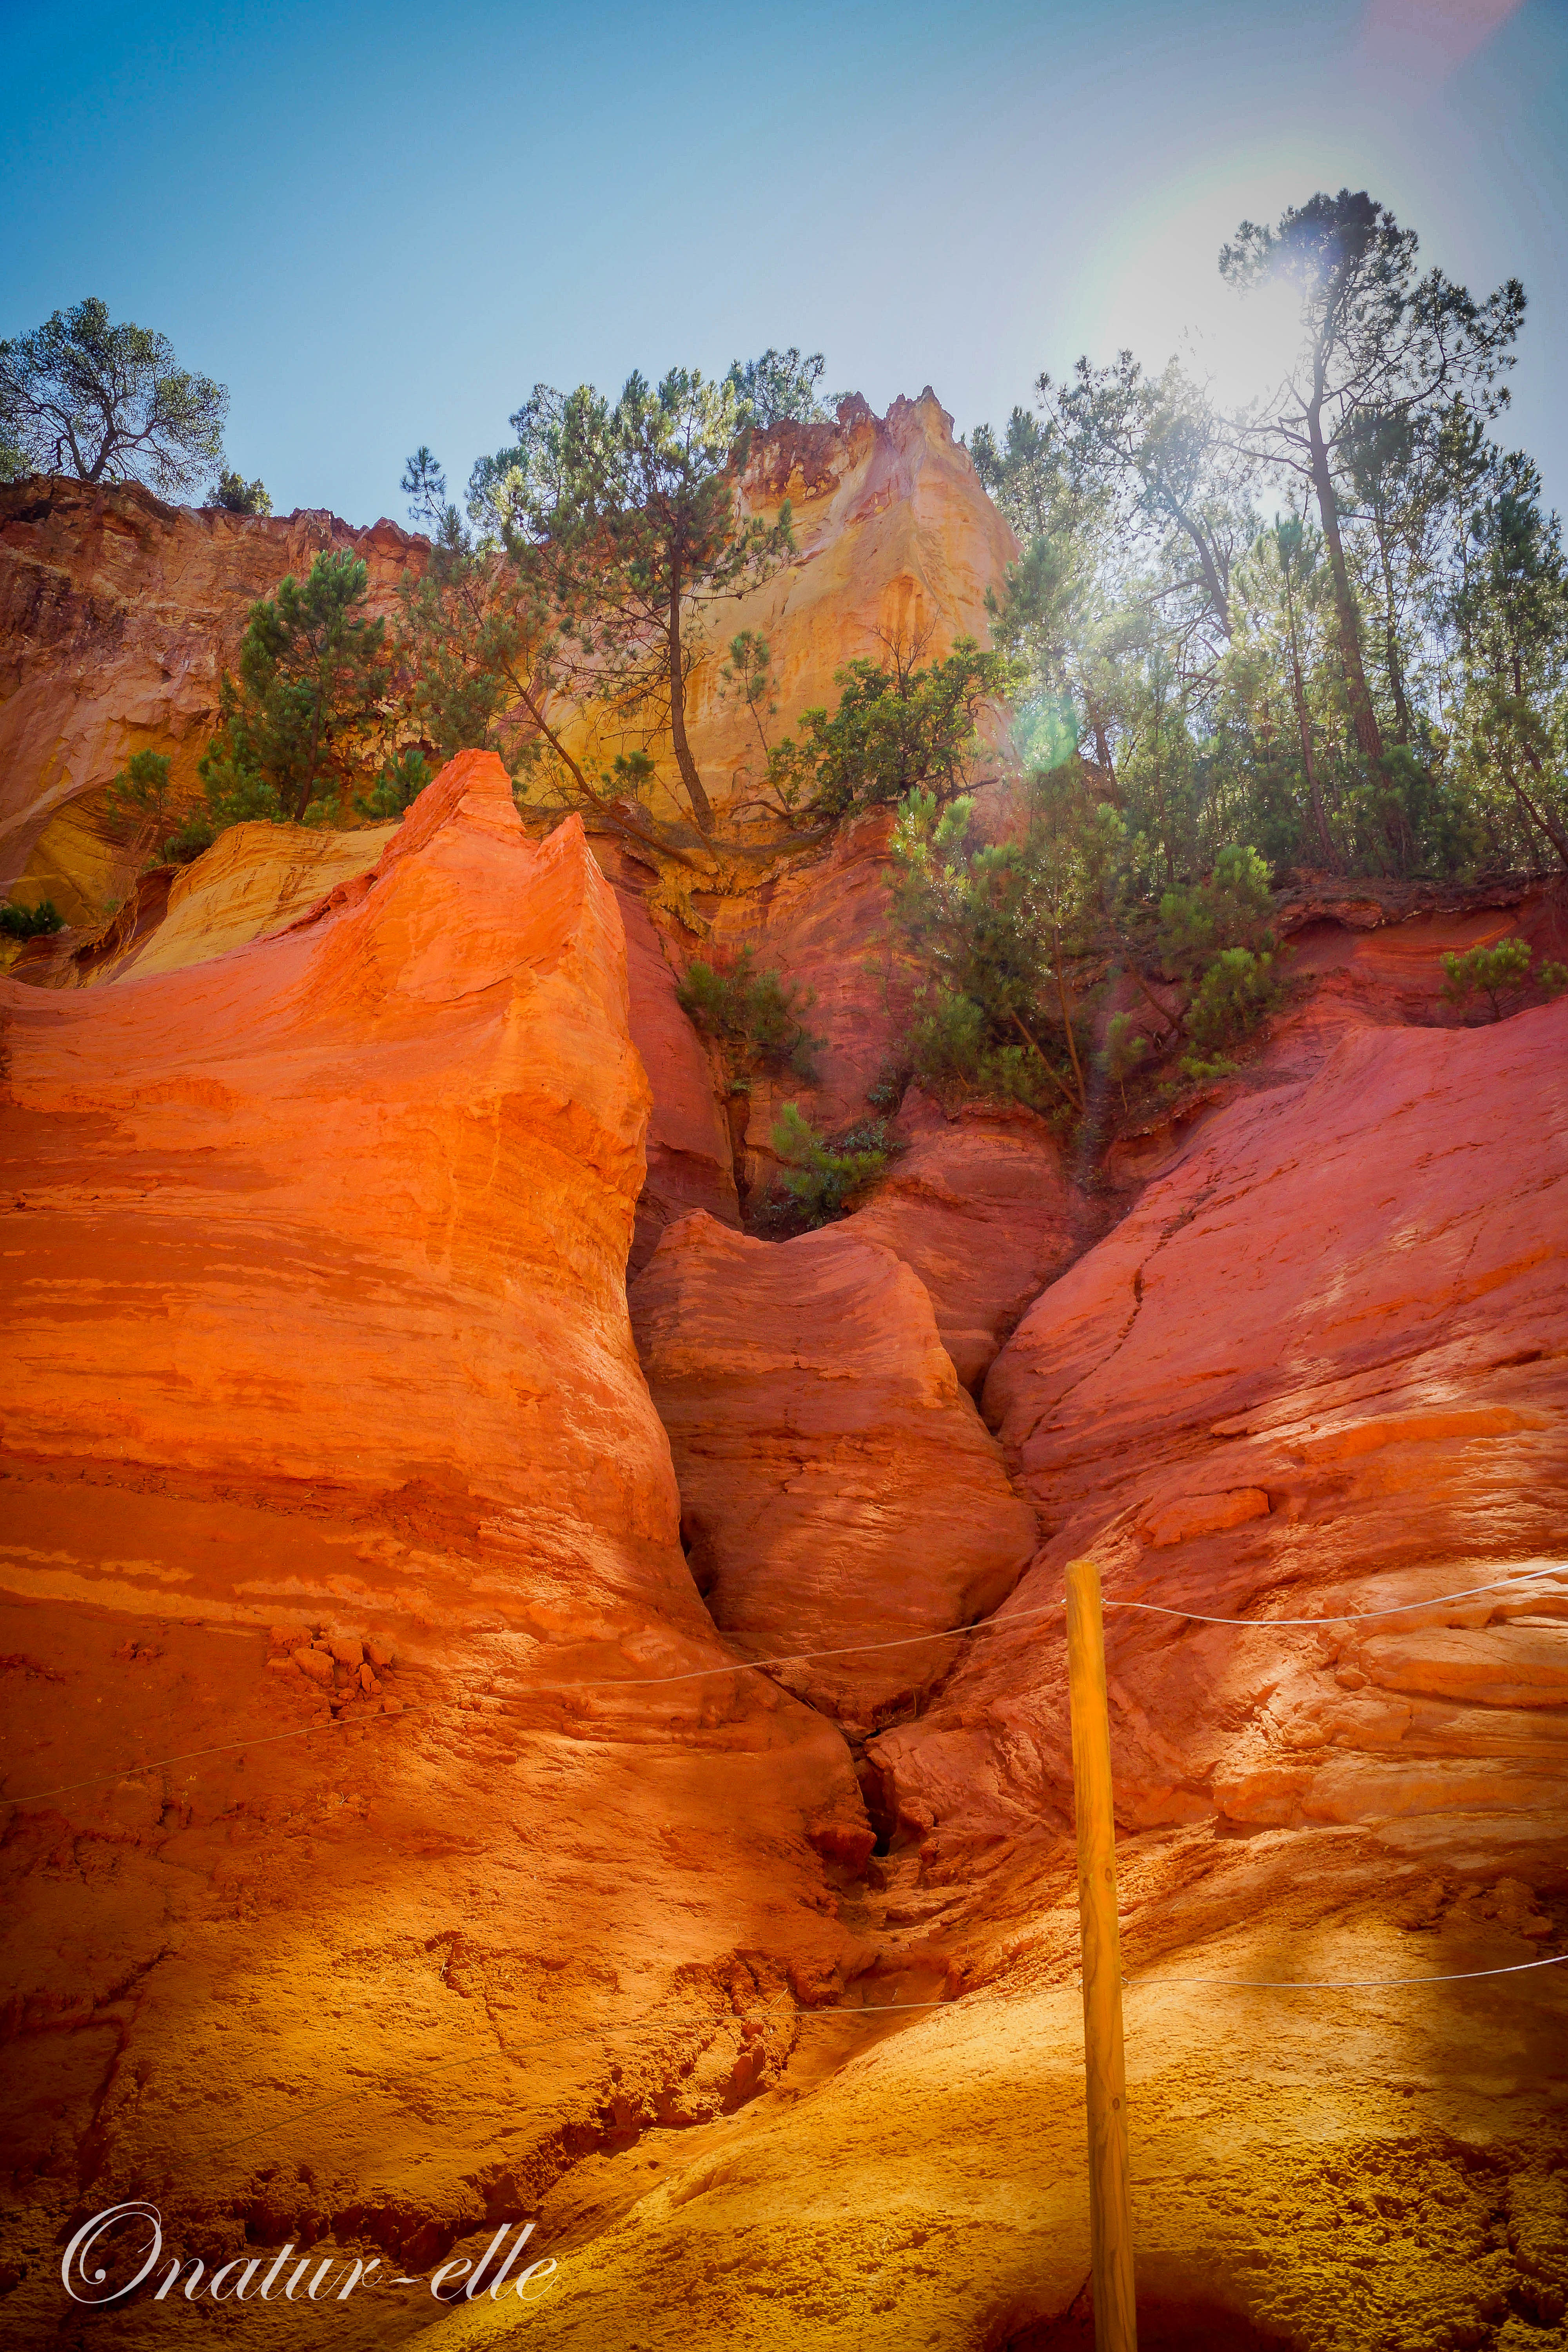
<point x="117" y="616"/>
<point x="362" y="1872"/>
<point x="1317" y="1367"/>
<point x="836" y="1483"/>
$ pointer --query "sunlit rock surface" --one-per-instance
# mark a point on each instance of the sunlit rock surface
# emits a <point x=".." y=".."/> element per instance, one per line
<point x="319" y="1378"/>
<point x="979" y="1203"/>
<point x="118" y="615"/>
<point x="316" y="1327"/>
<point x="896" y="542"/>
<point x="836" y="1483"/>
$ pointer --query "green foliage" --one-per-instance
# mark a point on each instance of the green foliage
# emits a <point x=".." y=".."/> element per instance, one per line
<point x="1201" y="1071"/>
<point x="780" y="386"/>
<point x="824" y="1178"/>
<point x="237" y="496"/>
<point x="397" y="787"/>
<point x="951" y="1049"/>
<point x="1507" y="970"/>
<point x="994" y="925"/>
<point x="139" y="792"/>
<point x="757" y="1017"/>
<point x="624" y="520"/>
<point x="108" y="403"/>
<point x="1228" y="910"/>
<point x="1124" y="1050"/>
<point x="748" y="677"/>
<point x="30" y="922"/>
<point x="1381" y="689"/>
<point x="477" y="656"/>
<point x="301" y="724"/>
<point x="1237" y="989"/>
<point x="898" y="729"/>
<point x="186" y="843"/>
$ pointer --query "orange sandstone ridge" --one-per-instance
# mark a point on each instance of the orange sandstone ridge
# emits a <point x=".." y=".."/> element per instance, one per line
<point x="317" y="1327"/>
<point x="395" y="1849"/>
<point x="118" y="615"/>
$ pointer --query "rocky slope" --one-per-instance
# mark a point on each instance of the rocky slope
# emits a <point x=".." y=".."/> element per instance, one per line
<point x="395" y="1845"/>
<point x="837" y="1484"/>
<point x="118" y="615"/>
<point x="330" y="1474"/>
<point x="1317" y="1367"/>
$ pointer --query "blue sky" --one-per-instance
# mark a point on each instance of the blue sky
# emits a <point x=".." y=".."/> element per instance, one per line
<point x="380" y="225"/>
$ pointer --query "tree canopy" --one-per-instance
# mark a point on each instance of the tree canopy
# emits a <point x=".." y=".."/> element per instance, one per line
<point x="625" y="518"/>
<point x="306" y="716"/>
<point x="107" y="403"/>
<point x="1333" y="624"/>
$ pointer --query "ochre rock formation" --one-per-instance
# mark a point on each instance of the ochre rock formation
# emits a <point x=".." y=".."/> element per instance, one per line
<point x="397" y="1845"/>
<point x="837" y="1484"/>
<point x="979" y="1203"/>
<point x="331" y="1475"/>
<point x="895" y="540"/>
<point x="690" y="1153"/>
<point x="1317" y="1366"/>
<point x="253" y="880"/>
<point x="118" y="615"/>
<point x="1373" y="1411"/>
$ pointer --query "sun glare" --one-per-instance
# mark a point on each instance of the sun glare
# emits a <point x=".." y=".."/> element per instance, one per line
<point x="1163" y="297"/>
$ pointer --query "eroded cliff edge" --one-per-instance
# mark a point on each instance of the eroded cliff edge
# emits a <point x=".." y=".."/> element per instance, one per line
<point x="328" y="1449"/>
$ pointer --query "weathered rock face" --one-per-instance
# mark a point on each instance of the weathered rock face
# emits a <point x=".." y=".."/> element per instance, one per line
<point x="118" y="615"/>
<point x="315" y="1323"/>
<point x="837" y="1484"/>
<point x="980" y="1206"/>
<point x="253" y="880"/>
<point x="895" y="538"/>
<point x="691" y="1157"/>
<point x="1317" y="1367"/>
<point x="1312" y="1369"/>
<point x="320" y="1381"/>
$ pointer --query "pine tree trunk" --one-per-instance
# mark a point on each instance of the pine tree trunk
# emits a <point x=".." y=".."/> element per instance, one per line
<point x="1103" y="754"/>
<point x="1403" y="729"/>
<point x="701" y="807"/>
<point x="1303" y="722"/>
<point x="1363" y="717"/>
<point x="1539" y="816"/>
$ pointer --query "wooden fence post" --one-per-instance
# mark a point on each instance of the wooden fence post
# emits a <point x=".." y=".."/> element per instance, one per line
<point x="1109" y="2205"/>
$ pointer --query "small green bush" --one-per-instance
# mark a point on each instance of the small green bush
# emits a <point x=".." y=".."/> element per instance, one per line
<point x="951" y="1056"/>
<point x="1235" y="992"/>
<point x="397" y="787"/>
<point x="1231" y="909"/>
<point x="31" y="922"/>
<point x="141" y="791"/>
<point x="756" y="1017"/>
<point x="238" y="495"/>
<point x="184" y="845"/>
<point x="1507" y="970"/>
<point x="823" y="1178"/>
<point x="1203" y="1072"/>
<point x="1124" y="1048"/>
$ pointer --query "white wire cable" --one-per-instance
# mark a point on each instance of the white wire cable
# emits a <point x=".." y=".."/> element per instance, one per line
<point x="805" y="1657"/>
<point x="1342" y="1984"/>
<point x="1348" y="1616"/>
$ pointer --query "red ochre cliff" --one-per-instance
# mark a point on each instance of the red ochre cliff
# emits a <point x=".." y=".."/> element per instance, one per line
<point x="394" y="1849"/>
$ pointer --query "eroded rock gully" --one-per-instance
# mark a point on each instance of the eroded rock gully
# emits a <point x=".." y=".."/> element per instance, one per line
<point x="327" y="1449"/>
<point x="118" y="615"/>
